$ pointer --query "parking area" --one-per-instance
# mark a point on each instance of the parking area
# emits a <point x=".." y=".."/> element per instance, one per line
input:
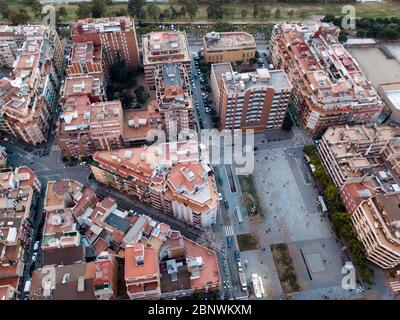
<point x="376" y="66"/>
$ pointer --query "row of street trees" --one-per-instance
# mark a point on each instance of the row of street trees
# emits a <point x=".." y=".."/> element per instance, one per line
<point x="340" y="218"/>
<point x="379" y="28"/>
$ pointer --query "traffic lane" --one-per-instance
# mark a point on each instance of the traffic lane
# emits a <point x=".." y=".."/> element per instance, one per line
<point x="19" y="156"/>
<point x="203" y="116"/>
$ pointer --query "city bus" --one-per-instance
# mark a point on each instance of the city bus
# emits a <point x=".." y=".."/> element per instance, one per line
<point x="239" y="214"/>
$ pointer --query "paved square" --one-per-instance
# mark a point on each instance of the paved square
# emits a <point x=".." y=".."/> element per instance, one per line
<point x="315" y="263"/>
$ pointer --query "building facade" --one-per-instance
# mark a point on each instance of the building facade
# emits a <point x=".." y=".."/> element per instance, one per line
<point x="116" y="36"/>
<point x="254" y="100"/>
<point x="228" y="47"/>
<point x="164" y="47"/>
<point x="174" y="100"/>
<point x="329" y="87"/>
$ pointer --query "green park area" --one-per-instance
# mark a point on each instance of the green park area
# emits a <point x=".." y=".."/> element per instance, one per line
<point x="190" y="11"/>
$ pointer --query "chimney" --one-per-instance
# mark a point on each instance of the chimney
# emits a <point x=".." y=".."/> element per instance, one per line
<point x="47" y="288"/>
<point x="139" y="260"/>
<point x="81" y="284"/>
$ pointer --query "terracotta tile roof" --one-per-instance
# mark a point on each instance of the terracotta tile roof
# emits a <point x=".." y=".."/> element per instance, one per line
<point x="63" y="256"/>
<point x="150" y="261"/>
<point x="69" y="289"/>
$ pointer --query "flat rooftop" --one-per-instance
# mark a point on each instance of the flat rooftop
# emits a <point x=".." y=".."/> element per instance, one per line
<point x="394" y="98"/>
<point x="171" y="74"/>
<point x="238" y="82"/>
<point x="170" y="45"/>
<point x="228" y="40"/>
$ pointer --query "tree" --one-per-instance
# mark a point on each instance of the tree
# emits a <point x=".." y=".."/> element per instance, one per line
<point x="166" y="13"/>
<point x="256" y="8"/>
<point x="215" y="12"/>
<point x="287" y="122"/>
<point x="229" y="12"/>
<point x="191" y="8"/>
<point x="5" y="11"/>
<point x="153" y="11"/>
<point x="62" y="12"/>
<point x="121" y="12"/>
<point x="20" y="17"/>
<point x="182" y="12"/>
<point x="244" y="13"/>
<point x="84" y="10"/>
<point x="36" y="7"/>
<point x="290" y="13"/>
<point x="277" y="13"/>
<point x="141" y="95"/>
<point x="135" y="7"/>
<point x="99" y="8"/>
<point x="174" y="13"/>
<point x="264" y="13"/>
<point x="342" y="36"/>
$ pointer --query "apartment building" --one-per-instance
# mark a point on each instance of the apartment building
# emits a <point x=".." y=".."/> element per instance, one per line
<point x="106" y="277"/>
<point x="167" y="176"/>
<point x="19" y="189"/>
<point x="361" y="154"/>
<point x="253" y="100"/>
<point x="377" y="223"/>
<point x="142" y="274"/>
<point x="191" y="194"/>
<point x="85" y="59"/>
<point x="164" y="47"/>
<point x="114" y="234"/>
<point x="26" y="112"/>
<point x="141" y="126"/>
<point x="116" y="36"/>
<point x="329" y="87"/>
<point x="174" y="99"/>
<point x="89" y="122"/>
<point x="29" y="97"/>
<point x="187" y="267"/>
<point x="13" y="38"/>
<point x="140" y="172"/>
<point x="71" y="282"/>
<point x="61" y="241"/>
<point x="228" y="47"/>
<point x="363" y="161"/>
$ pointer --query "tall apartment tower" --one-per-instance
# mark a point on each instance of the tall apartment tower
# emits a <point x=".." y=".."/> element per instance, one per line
<point x="116" y="35"/>
<point x="164" y="47"/>
<point x="329" y="87"/>
<point x="254" y="100"/>
<point x="174" y="99"/>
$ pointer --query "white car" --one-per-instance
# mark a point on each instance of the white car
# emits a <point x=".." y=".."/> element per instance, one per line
<point x="240" y="266"/>
<point x="36" y="246"/>
<point x="219" y="196"/>
<point x="34" y="257"/>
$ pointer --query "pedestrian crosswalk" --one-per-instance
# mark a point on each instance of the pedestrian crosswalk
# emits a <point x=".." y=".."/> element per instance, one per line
<point x="229" y="231"/>
<point x="55" y="147"/>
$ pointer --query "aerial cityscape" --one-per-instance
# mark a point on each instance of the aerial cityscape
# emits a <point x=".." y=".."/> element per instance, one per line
<point x="212" y="150"/>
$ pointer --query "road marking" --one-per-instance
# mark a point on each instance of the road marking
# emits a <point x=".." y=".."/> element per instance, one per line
<point x="55" y="147"/>
<point x="229" y="230"/>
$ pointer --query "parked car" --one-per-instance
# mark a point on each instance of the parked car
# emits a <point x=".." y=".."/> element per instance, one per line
<point x="226" y="204"/>
<point x="229" y="242"/>
<point x="34" y="257"/>
<point x="237" y="255"/>
<point x="240" y="266"/>
<point x="36" y="246"/>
